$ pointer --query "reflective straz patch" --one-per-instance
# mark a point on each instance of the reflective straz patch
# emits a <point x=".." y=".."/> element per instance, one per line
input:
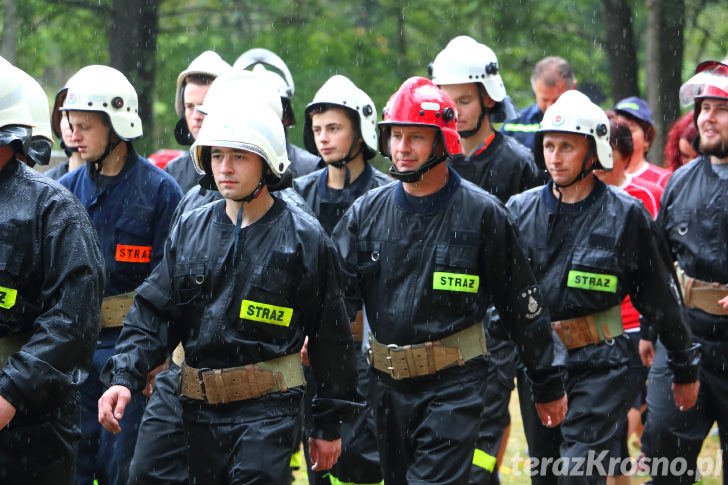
<point x="592" y="281"/>
<point x="7" y="297"/>
<point x="261" y="312"/>
<point x="467" y="283"/>
<point x="133" y="254"/>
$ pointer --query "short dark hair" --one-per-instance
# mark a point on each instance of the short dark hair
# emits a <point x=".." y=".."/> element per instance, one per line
<point x="324" y="107"/>
<point x="200" y="79"/>
<point x="620" y="136"/>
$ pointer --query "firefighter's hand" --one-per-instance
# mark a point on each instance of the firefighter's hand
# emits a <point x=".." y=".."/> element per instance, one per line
<point x="724" y="303"/>
<point x="151" y="376"/>
<point x="647" y="352"/>
<point x="304" y="352"/>
<point x="323" y="453"/>
<point x="7" y="412"/>
<point x="685" y="395"/>
<point x="552" y="413"/>
<point x="111" y="407"/>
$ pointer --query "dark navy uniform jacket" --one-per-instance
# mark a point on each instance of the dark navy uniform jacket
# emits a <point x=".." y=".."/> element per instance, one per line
<point x="589" y="255"/>
<point x="51" y="284"/>
<point x="693" y="218"/>
<point x="330" y="204"/>
<point x="131" y="215"/>
<point x="525" y="126"/>
<point x="427" y="267"/>
<point x="283" y="284"/>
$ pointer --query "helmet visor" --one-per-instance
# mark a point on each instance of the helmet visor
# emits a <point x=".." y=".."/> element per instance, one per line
<point x="711" y="83"/>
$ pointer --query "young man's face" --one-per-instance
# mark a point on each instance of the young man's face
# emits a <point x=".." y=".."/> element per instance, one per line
<point x="713" y="126"/>
<point x="564" y="154"/>
<point x="411" y="146"/>
<point x="333" y="133"/>
<point x="236" y="172"/>
<point x="194" y="95"/>
<point x="90" y="133"/>
<point x="466" y="98"/>
<point x="547" y="95"/>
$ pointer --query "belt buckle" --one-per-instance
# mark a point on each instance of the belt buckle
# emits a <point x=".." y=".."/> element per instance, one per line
<point x="390" y="367"/>
<point x="201" y="382"/>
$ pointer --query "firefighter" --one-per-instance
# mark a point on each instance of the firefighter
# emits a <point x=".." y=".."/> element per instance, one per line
<point x="51" y="285"/>
<point x="693" y="218"/>
<point x="130" y="203"/>
<point x="470" y="74"/>
<point x="242" y="281"/>
<point x="341" y="127"/>
<point x="590" y="245"/>
<point x="192" y="86"/>
<point x="270" y="67"/>
<point x="426" y="257"/>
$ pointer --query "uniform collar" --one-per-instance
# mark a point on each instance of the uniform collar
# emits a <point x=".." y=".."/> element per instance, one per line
<point x="551" y="202"/>
<point x="356" y="188"/>
<point x="428" y="203"/>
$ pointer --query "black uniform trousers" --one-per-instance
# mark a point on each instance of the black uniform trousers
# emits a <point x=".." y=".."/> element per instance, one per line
<point x="597" y="406"/>
<point x="427" y="433"/>
<point x="675" y="434"/>
<point x="41" y="450"/>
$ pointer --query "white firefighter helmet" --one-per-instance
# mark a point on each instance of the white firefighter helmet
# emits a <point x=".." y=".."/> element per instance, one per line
<point x="35" y="97"/>
<point x="209" y="63"/>
<point x="239" y="85"/>
<point x="263" y="57"/>
<point x="246" y="125"/>
<point x="339" y="91"/>
<point x="13" y="108"/>
<point x="463" y="61"/>
<point x="102" y="89"/>
<point x="574" y="112"/>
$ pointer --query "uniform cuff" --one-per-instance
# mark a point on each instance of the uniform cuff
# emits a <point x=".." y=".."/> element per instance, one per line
<point x="685" y="364"/>
<point x="9" y="392"/>
<point x="326" y="430"/>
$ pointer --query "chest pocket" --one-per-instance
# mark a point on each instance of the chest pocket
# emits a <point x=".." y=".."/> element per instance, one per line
<point x="369" y="258"/>
<point x="189" y="281"/>
<point x="594" y="270"/>
<point x="265" y="309"/>
<point x="134" y="236"/>
<point x="455" y="282"/>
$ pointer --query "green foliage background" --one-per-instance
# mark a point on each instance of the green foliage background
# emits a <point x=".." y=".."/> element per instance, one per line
<point x="362" y="40"/>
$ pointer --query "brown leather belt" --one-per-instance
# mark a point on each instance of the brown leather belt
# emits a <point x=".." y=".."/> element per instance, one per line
<point x="700" y="294"/>
<point x="407" y="361"/>
<point x="219" y="386"/>
<point x="590" y="329"/>
<point x="114" y="309"/>
<point x="12" y="344"/>
<point x="357" y="327"/>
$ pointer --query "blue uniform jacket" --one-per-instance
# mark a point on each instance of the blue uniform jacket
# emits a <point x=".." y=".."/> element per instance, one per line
<point x="525" y="126"/>
<point x="131" y="215"/>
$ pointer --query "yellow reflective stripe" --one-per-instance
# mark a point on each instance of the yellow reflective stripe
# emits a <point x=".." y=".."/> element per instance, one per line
<point x="530" y="128"/>
<point x="592" y="281"/>
<point x="336" y="481"/>
<point x="296" y="459"/>
<point x="484" y="460"/>
<point x="7" y="297"/>
<point x="261" y="312"/>
<point x="467" y="283"/>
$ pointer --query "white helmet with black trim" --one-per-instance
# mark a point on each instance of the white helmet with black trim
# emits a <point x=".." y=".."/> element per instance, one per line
<point x="280" y="78"/>
<point x="209" y="63"/>
<point x="574" y="112"/>
<point x="239" y="85"/>
<point x="244" y="124"/>
<point x="340" y="92"/>
<point x="102" y="89"/>
<point x="16" y="122"/>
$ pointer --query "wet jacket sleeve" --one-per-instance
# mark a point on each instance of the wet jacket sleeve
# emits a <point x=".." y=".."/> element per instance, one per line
<point x="518" y="300"/>
<point x="55" y="361"/>
<point x="345" y="239"/>
<point x="331" y="352"/>
<point x="656" y="295"/>
<point x="169" y="198"/>
<point x="144" y="340"/>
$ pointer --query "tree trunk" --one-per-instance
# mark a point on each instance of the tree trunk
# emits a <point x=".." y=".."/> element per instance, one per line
<point x="665" y="23"/>
<point x="402" y="62"/>
<point x="133" y="51"/>
<point x="621" y="49"/>
<point x="10" y="31"/>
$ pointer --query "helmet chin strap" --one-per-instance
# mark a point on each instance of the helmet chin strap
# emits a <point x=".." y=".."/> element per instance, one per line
<point x="96" y="165"/>
<point x="483" y="112"/>
<point x="348" y="158"/>
<point x="583" y="173"/>
<point x="412" y="176"/>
